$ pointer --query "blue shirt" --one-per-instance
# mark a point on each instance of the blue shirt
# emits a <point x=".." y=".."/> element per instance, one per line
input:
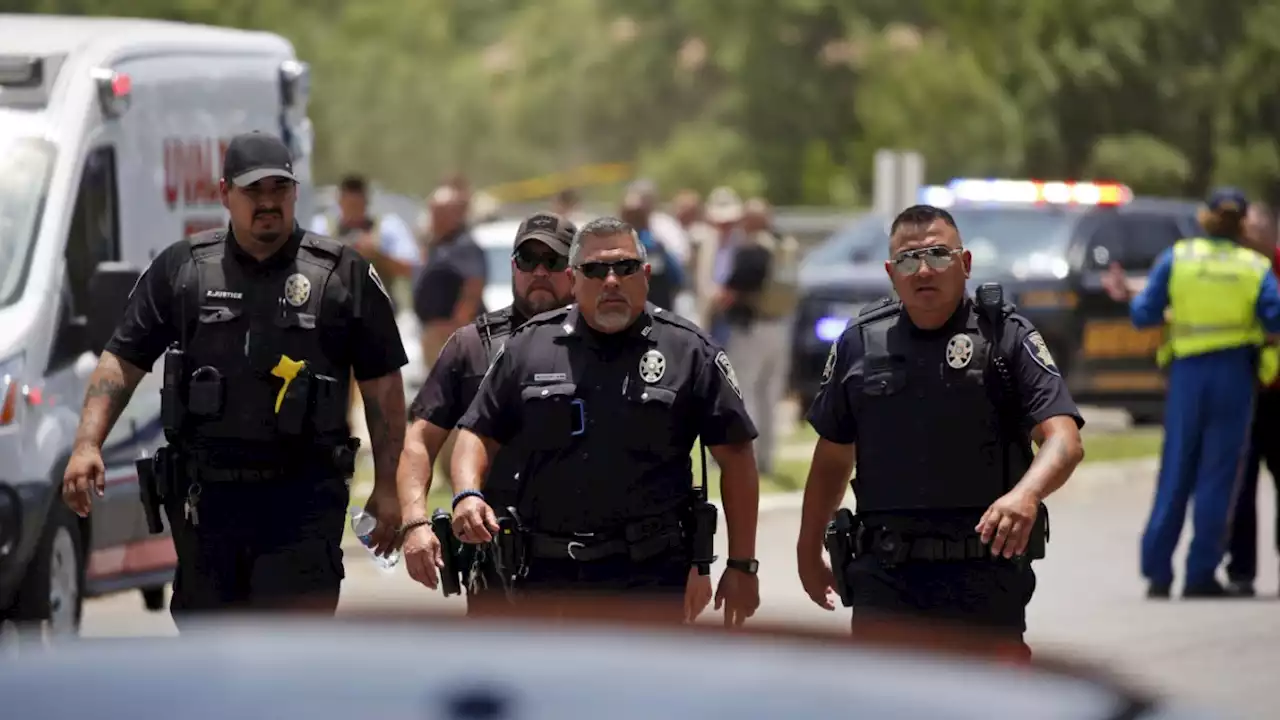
<point x="1147" y="309"/>
<point x="395" y="239"/>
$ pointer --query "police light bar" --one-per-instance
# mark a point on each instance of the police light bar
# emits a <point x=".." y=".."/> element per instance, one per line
<point x="1032" y="192"/>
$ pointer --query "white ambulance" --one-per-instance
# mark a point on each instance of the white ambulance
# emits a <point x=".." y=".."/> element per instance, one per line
<point x="111" y="139"/>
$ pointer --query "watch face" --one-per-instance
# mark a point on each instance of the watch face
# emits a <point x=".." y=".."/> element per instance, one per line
<point x="747" y="566"/>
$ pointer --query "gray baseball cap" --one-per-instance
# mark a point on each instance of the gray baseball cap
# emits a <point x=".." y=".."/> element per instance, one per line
<point x="549" y="229"/>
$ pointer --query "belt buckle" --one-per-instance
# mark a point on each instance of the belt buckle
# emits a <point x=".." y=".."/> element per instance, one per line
<point x="574" y="544"/>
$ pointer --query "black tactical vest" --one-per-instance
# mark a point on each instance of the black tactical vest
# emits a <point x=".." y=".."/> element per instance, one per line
<point x="500" y="485"/>
<point x="928" y="433"/>
<point x="242" y="326"/>
<point x="494" y="327"/>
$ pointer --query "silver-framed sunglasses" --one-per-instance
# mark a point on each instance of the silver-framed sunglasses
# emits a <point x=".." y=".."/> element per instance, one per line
<point x="937" y="257"/>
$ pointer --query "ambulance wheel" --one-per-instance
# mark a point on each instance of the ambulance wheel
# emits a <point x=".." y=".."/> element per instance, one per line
<point x="53" y="589"/>
<point x="153" y="598"/>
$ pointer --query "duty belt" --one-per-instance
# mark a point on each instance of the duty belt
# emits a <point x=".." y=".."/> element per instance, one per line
<point x="894" y="547"/>
<point x="640" y="541"/>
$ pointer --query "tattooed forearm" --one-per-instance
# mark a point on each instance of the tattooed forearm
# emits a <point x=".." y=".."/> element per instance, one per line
<point x="385" y="415"/>
<point x="110" y="387"/>
<point x="1059" y="454"/>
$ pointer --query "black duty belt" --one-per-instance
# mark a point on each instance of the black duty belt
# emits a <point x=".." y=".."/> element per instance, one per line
<point x="641" y="541"/>
<point x="898" y="547"/>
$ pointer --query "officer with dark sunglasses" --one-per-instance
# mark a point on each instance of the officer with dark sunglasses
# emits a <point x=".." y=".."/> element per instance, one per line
<point x="935" y="398"/>
<point x="609" y="396"/>
<point x="539" y="282"/>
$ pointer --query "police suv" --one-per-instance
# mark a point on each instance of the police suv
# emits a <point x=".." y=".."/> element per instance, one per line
<point x="111" y="140"/>
<point x="1048" y="244"/>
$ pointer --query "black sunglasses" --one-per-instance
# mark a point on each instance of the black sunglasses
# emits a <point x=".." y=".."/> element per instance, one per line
<point x="530" y="261"/>
<point x="936" y="257"/>
<point x="601" y="270"/>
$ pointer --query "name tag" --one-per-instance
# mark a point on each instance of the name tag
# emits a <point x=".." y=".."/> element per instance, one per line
<point x="550" y="377"/>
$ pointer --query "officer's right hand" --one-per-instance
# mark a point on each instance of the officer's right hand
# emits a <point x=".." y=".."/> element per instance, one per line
<point x="422" y="556"/>
<point x="474" y="521"/>
<point x="818" y="580"/>
<point x="85" y="471"/>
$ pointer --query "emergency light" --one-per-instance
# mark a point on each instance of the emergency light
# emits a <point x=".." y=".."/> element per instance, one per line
<point x="1031" y="192"/>
<point x="114" y="91"/>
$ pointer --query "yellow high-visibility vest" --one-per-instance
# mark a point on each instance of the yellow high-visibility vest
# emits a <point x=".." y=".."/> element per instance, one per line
<point x="1213" y="296"/>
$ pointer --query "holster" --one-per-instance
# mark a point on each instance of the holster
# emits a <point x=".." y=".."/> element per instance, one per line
<point x="702" y="540"/>
<point x="839" y="542"/>
<point x="450" y="548"/>
<point x="1039" y="539"/>
<point x="344" y="458"/>
<point x="156" y="483"/>
<point x="512" y="547"/>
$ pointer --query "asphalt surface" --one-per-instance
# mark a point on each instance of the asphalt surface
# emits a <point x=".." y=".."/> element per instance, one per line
<point x="1089" y="603"/>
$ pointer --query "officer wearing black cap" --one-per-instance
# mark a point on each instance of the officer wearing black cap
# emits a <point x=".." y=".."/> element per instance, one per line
<point x="607" y="398"/>
<point x="540" y="282"/>
<point x="260" y="325"/>
<point x="935" y="398"/>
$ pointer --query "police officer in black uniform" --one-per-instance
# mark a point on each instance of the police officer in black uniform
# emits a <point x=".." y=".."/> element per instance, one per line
<point x="935" y="398"/>
<point x="540" y="281"/>
<point x="608" y="397"/>
<point x="261" y="326"/>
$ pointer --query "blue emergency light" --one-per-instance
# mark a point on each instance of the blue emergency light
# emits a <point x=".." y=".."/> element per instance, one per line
<point x="829" y="329"/>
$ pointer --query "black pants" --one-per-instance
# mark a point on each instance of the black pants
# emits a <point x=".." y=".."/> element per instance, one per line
<point x="260" y="546"/>
<point x="986" y="596"/>
<point x="1244" y="525"/>
<point x="659" y="581"/>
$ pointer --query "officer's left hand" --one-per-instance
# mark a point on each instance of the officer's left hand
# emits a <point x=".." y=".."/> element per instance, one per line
<point x="739" y="595"/>
<point x="1006" y="525"/>
<point x="697" y="595"/>
<point x="385" y="506"/>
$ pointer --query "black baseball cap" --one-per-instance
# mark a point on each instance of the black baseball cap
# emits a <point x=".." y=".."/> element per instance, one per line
<point x="548" y="228"/>
<point x="251" y="157"/>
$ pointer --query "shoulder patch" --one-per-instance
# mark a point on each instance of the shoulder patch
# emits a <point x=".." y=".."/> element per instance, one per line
<point x="1039" y="352"/>
<point x="726" y="369"/>
<point x="830" y="367"/>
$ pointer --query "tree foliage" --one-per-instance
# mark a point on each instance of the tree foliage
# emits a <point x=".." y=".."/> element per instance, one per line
<point x="786" y="97"/>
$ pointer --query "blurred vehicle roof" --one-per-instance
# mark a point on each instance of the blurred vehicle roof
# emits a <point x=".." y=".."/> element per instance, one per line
<point x="448" y="667"/>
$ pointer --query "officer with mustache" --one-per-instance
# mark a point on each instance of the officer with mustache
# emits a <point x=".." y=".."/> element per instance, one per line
<point x="606" y="398"/>
<point x="262" y="326"/>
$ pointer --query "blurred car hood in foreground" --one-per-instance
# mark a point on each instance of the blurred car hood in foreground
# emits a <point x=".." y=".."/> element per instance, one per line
<point x="540" y="666"/>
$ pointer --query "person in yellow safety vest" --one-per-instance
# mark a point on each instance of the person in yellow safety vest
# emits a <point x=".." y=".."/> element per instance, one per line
<point x="1221" y="302"/>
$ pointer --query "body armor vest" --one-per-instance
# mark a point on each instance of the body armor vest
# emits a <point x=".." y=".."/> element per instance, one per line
<point x="502" y="482"/>
<point x="244" y="327"/>
<point x="494" y="327"/>
<point x="928" y="432"/>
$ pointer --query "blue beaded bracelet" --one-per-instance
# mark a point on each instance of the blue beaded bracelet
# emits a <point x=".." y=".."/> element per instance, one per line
<point x="466" y="494"/>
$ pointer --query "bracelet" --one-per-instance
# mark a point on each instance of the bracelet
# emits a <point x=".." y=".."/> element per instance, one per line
<point x="464" y="495"/>
<point x="413" y="524"/>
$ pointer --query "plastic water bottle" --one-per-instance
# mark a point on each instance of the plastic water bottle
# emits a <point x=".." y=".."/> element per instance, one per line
<point x="363" y="524"/>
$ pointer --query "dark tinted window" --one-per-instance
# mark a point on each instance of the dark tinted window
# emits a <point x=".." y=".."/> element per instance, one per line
<point x="1134" y="240"/>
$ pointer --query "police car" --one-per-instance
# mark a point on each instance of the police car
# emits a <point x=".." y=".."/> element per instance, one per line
<point x="1048" y="244"/>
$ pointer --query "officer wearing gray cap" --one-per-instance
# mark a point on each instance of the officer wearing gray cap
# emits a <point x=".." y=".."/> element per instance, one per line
<point x="261" y="325"/>
<point x="540" y="281"/>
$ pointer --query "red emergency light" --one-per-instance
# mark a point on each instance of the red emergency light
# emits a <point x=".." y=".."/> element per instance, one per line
<point x="1040" y="191"/>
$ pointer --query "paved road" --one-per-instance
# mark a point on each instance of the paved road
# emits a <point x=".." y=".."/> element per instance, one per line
<point x="1089" y="602"/>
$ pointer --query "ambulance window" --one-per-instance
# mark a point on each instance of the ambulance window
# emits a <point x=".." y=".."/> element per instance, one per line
<point x="94" y="234"/>
<point x="94" y="237"/>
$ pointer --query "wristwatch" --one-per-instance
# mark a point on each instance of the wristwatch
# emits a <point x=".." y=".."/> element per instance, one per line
<point x="749" y="566"/>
